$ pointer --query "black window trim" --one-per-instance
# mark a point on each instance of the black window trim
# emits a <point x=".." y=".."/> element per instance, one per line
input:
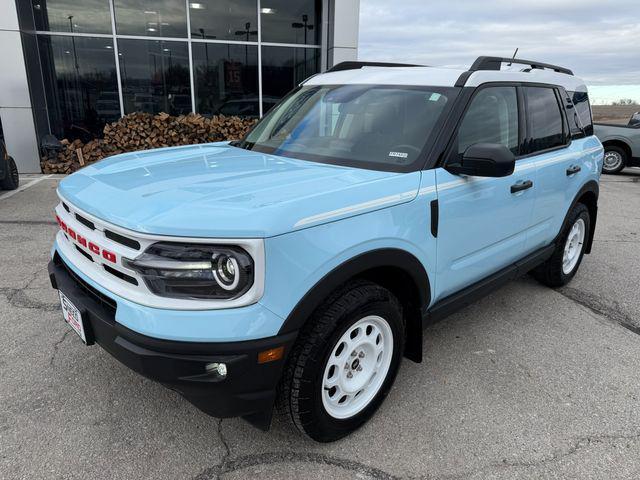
<point x="445" y="157"/>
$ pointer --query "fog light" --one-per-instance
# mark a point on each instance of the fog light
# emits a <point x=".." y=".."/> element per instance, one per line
<point x="218" y="368"/>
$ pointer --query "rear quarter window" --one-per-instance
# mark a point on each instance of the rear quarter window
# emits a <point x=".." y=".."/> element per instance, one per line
<point x="545" y="120"/>
<point x="582" y="113"/>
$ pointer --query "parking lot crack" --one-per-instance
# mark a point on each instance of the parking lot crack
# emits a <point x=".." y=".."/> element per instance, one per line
<point x="600" y="307"/>
<point x="17" y="298"/>
<point x="56" y="346"/>
<point x="273" y="458"/>
<point x="574" y="446"/>
<point x="227" y="449"/>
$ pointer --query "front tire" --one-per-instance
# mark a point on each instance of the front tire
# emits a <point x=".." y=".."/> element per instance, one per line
<point x="344" y="362"/>
<point x="565" y="261"/>
<point x="12" y="179"/>
<point x="615" y="159"/>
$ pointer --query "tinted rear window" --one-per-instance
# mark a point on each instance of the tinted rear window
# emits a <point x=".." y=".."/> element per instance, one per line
<point x="546" y="125"/>
<point x="583" y="111"/>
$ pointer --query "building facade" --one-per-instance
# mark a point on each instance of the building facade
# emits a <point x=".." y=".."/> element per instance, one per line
<point x="70" y="66"/>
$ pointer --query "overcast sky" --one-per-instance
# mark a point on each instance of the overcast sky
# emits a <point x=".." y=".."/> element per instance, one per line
<point x="598" y="39"/>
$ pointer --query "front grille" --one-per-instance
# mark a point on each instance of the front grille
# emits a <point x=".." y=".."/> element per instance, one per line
<point x="121" y="239"/>
<point x="107" y="303"/>
<point x="87" y="223"/>
<point x="120" y="275"/>
<point x="85" y="254"/>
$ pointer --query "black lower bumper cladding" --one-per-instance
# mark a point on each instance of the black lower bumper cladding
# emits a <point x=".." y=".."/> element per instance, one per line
<point x="247" y="390"/>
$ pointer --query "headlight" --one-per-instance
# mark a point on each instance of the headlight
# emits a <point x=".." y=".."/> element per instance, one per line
<point x="197" y="271"/>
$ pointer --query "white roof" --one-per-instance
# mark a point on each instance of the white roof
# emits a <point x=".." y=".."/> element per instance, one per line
<point x="442" y="77"/>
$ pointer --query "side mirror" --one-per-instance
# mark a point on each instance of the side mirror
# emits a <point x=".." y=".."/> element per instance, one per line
<point x="635" y="120"/>
<point x="484" y="160"/>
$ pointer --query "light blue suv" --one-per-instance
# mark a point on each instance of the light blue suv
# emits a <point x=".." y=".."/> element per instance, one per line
<point x="298" y="266"/>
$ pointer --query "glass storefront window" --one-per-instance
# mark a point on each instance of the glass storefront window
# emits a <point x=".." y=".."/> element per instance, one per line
<point x="226" y="79"/>
<point x="73" y="16"/>
<point x="155" y="76"/>
<point x="213" y="19"/>
<point x="283" y="68"/>
<point x="151" y="18"/>
<point x="284" y="21"/>
<point x="80" y="83"/>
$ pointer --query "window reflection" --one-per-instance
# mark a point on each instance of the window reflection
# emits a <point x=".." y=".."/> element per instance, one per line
<point x="73" y="16"/>
<point x="151" y="18"/>
<point x="283" y="68"/>
<point x="284" y="21"/>
<point x="226" y="78"/>
<point x="155" y="76"/>
<point x="236" y="20"/>
<point x="81" y="84"/>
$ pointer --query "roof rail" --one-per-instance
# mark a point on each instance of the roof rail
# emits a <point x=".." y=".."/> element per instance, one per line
<point x="495" y="63"/>
<point x="357" y="65"/>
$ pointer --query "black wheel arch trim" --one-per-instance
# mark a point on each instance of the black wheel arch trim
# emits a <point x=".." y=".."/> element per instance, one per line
<point x="590" y="187"/>
<point x="356" y="267"/>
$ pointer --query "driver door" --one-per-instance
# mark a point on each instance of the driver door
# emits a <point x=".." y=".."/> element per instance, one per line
<point x="483" y="221"/>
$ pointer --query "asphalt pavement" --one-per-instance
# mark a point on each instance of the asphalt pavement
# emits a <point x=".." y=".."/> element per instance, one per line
<point x="526" y="383"/>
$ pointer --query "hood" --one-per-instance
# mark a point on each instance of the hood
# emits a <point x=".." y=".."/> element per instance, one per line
<point x="216" y="190"/>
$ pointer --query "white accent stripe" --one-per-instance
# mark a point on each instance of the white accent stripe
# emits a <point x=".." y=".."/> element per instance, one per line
<point x="532" y="163"/>
<point x="379" y="202"/>
<point x="427" y="190"/>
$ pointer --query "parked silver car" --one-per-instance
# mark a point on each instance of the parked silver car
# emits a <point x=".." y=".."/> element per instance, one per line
<point x="621" y="144"/>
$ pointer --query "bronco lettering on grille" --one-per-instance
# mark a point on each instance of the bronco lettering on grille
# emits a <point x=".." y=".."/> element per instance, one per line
<point x="80" y="240"/>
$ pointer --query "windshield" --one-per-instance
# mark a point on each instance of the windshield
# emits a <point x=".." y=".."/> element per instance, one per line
<point x="369" y="126"/>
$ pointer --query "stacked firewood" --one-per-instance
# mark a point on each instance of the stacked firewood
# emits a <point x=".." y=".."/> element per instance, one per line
<point x="143" y="131"/>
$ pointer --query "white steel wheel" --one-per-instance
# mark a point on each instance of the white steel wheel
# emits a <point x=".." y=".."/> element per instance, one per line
<point x="357" y="367"/>
<point x="573" y="246"/>
<point x="612" y="160"/>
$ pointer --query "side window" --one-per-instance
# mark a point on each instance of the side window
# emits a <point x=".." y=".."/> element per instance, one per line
<point x="492" y="117"/>
<point x="583" y="111"/>
<point x="545" y="121"/>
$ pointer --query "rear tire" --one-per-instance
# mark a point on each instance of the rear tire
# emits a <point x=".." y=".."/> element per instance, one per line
<point x="344" y="362"/>
<point x="12" y="180"/>
<point x="565" y="261"/>
<point x="615" y="159"/>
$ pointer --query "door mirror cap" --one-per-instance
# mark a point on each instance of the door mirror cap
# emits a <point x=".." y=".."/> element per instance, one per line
<point x="485" y="160"/>
<point x="635" y="120"/>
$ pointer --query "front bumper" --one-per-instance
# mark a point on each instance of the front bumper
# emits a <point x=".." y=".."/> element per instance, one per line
<point x="248" y="389"/>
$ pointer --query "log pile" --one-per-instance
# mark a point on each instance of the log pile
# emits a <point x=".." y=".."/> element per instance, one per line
<point x="143" y="131"/>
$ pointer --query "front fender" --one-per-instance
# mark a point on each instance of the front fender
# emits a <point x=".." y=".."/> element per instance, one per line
<point x="314" y="259"/>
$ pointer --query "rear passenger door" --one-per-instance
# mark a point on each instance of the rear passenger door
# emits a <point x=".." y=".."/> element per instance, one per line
<point x="559" y="162"/>
<point x="482" y="224"/>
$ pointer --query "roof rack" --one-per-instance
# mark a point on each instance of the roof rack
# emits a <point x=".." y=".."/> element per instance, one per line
<point x="495" y="63"/>
<point x="357" y="65"/>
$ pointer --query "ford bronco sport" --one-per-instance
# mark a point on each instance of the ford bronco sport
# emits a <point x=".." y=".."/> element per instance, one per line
<point x="297" y="267"/>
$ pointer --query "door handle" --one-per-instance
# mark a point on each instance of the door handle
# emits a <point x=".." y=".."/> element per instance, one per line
<point x="573" y="169"/>
<point x="518" y="187"/>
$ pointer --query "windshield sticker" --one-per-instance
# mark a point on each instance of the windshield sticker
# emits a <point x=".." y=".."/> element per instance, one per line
<point x="398" y="154"/>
